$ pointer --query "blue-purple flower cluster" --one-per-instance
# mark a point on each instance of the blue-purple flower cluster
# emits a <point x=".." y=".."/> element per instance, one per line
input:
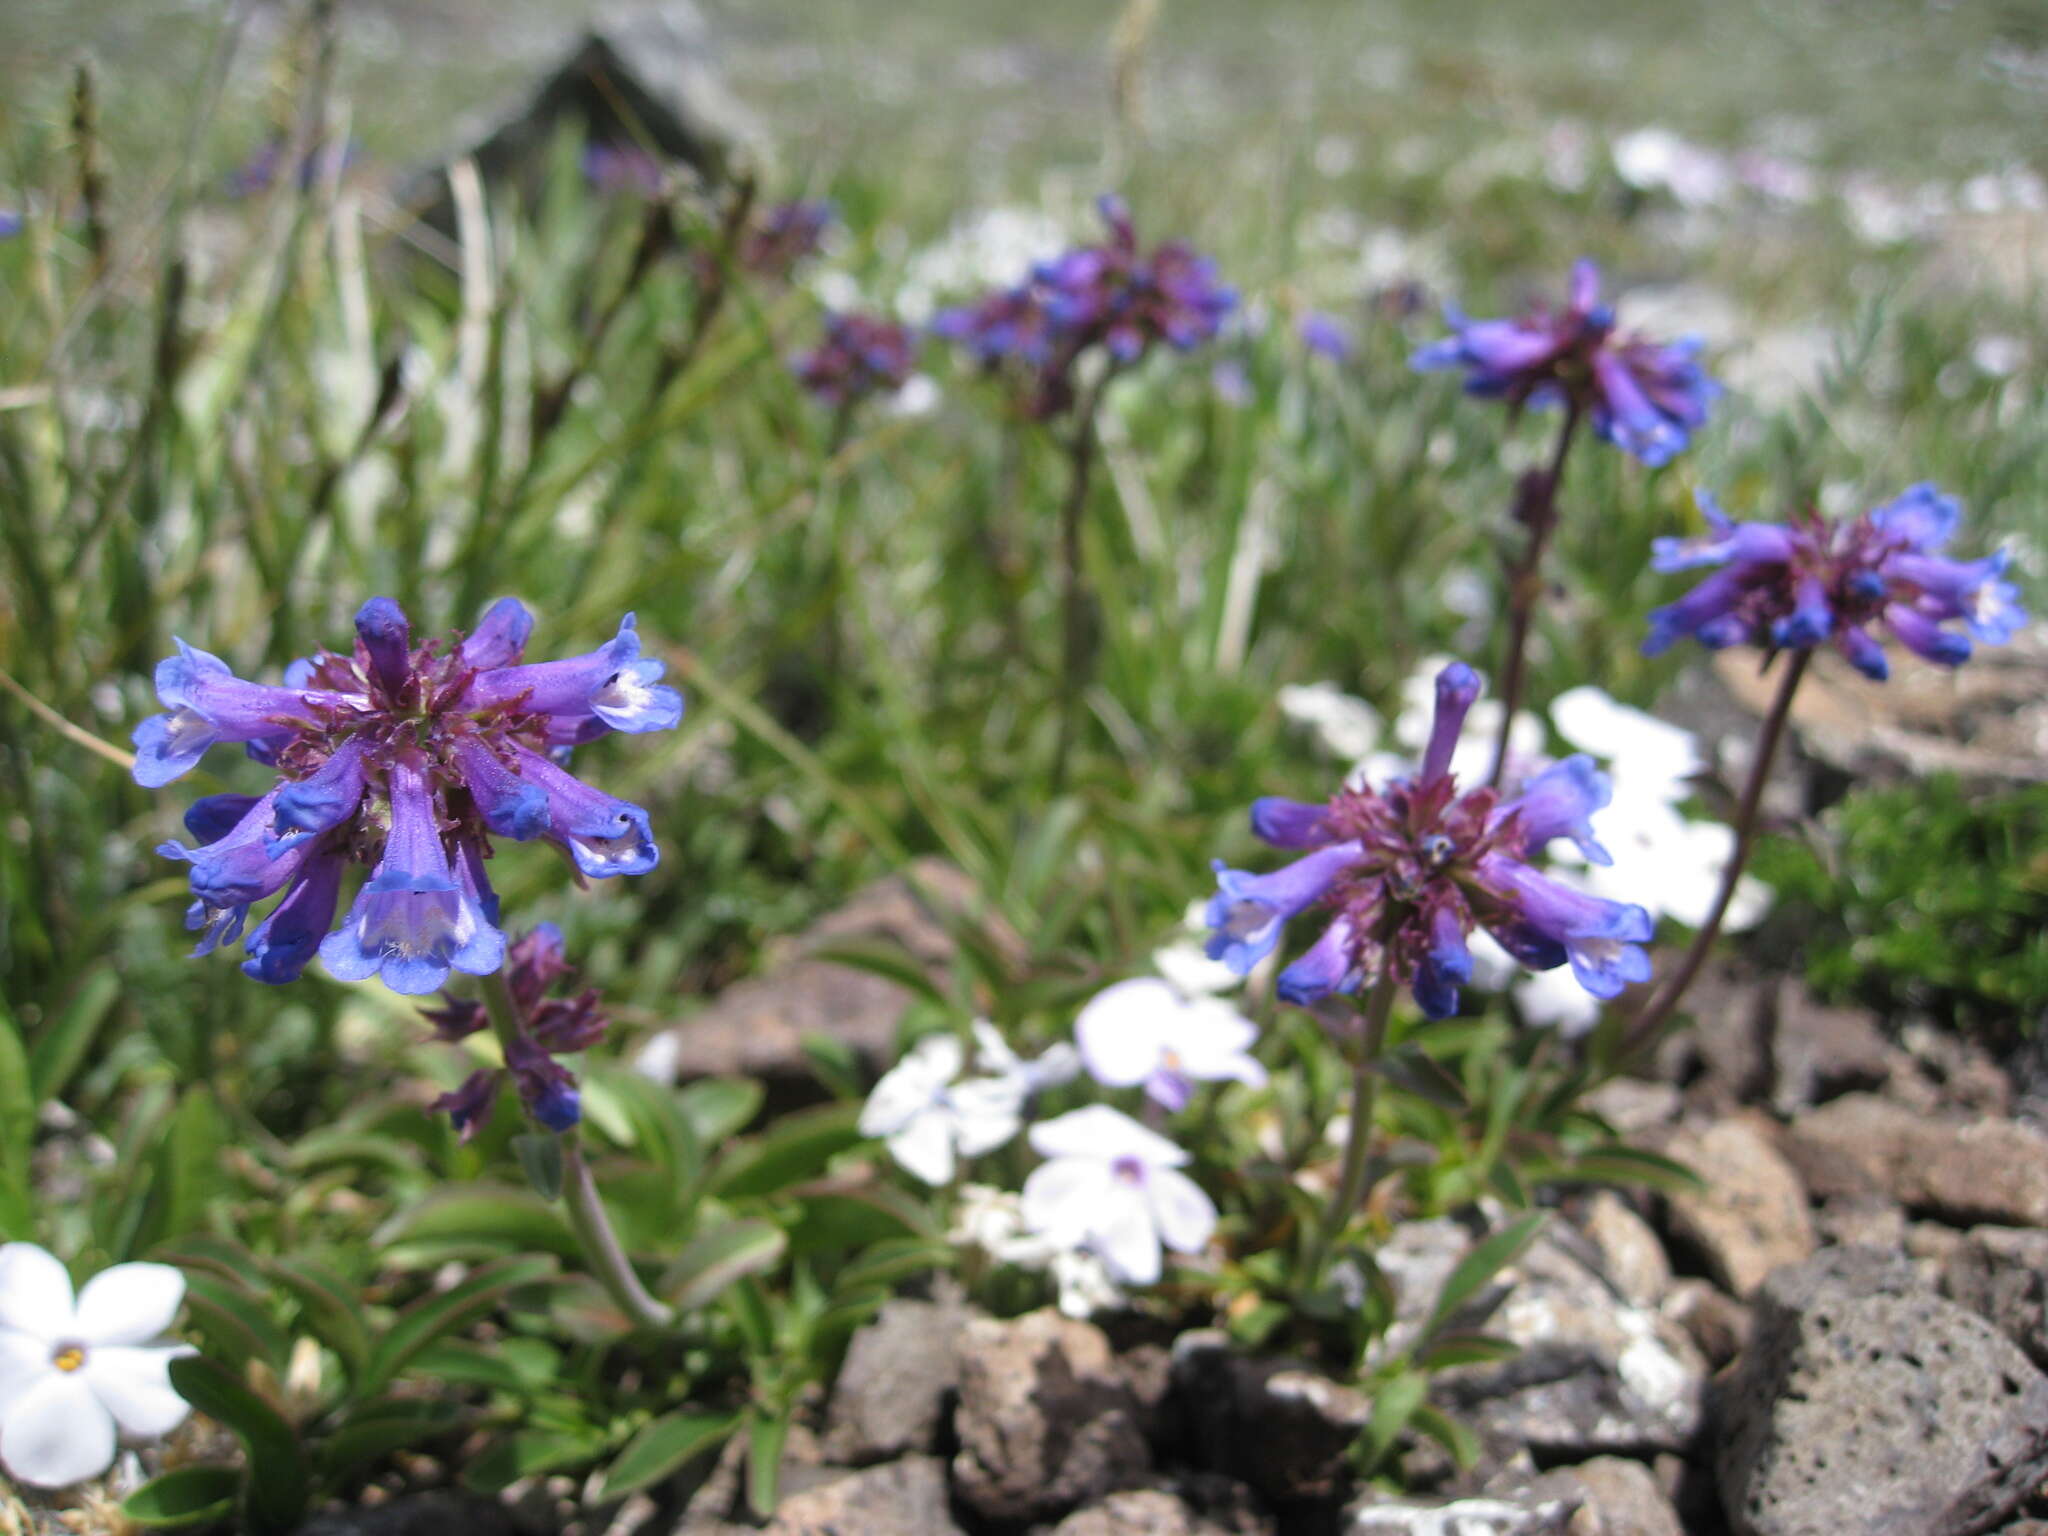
<point x="1407" y="871"/>
<point x="1645" y="397"/>
<point x="1109" y="295"/>
<point x="409" y="760"/>
<point x="1791" y="586"/>
<point x="535" y="966"/>
<point x="861" y="355"/>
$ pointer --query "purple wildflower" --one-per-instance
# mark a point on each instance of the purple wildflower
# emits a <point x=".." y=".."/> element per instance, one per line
<point x="623" y="169"/>
<point x="408" y="759"/>
<point x="11" y="223"/>
<point x="1406" y="871"/>
<point x="861" y="355"/>
<point x="1325" y="335"/>
<point x="549" y="1027"/>
<point x="784" y="236"/>
<point x="1109" y="295"/>
<point x="1645" y="397"/>
<point x="1790" y="586"/>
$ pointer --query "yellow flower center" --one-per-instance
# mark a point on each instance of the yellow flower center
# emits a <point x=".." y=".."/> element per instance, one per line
<point x="69" y="1358"/>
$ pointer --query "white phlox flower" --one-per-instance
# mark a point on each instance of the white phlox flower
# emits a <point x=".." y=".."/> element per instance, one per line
<point x="992" y="1220"/>
<point x="1115" y="1189"/>
<point x="77" y="1373"/>
<point x="1142" y="1031"/>
<point x="1342" y="725"/>
<point x="930" y="1117"/>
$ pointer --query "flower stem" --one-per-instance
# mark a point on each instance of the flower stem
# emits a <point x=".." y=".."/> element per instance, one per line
<point x="1536" y="510"/>
<point x="1081" y="450"/>
<point x="1344" y="1199"/>
<point x="1642" y="1032"/>
<point x="593" y="1229"/>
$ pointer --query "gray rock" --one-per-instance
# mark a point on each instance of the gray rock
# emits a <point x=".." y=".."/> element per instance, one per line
<point x="1751" y="1216"/>
<point x="1630" y="1254"/>
<point x="1281" y="1427"/>
<point x="424" y="1514"/>
<point x="1621" y="1497"/>
<point x="1529" y="1514"/>
<point x="756" y="1028"/>
<point x="2001" y="1274"/>
<point x="1416" y="1260"/>
<point x="903" y="1498"/>
<point x="1873" y="1222"/>
<point x="1160" y="1512"/>
<point x="1634" y="1106"/>
<point x="1965" y="1079"/>
<point x="1595" y="1373"/>
<point x="900" y="1374"/>
<point x="1047" y="1421"/>
<point x="1716" y="1322"/>
<point x="1868" y="1406"/>
<point x="1820" y="1052"/>
<point x="1963" y="1171"/>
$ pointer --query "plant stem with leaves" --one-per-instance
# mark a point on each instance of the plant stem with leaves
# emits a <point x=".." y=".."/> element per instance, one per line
<point x="1082" y="449"/>
<point x="1362" y="1047"/>
<point x="1536" y="510"/>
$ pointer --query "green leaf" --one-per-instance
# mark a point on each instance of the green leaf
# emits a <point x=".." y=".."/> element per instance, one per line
<point x="187" y="1497"/>
<point x="887" y="1263"/>
<point x="235" y="1323"/>
<point x="279" y="1479"/>
<point x="1393" y="1405"/>
<point x="476" y="1220"/>
<point x="61" y="1048"/>
<point x="765" y="1436"/>
<point x="17" y="1132"/>
<point x="1449" y="1433"/>
<point x="469" y="1365"/>
<point x="1480" y="1266"/>
<point x="713" y="1260"/>
<point x="433" y="1316"/>
<point x="846" y="1220"/>
<point x="1465" y="1349"/>
<point x="659" y="1126"/>
<point x="797" y="1147"/>
<point x="329" y="1309"/>
<point x="1631" y="1165"/>
<point x="374" y="1431"/>
<point x="665" y="1447"/>
<point x="835" y="1064"/>
<point x="541" y="1156"/>
<point x="529" y="1452"/>
<point x="719" y="1108"/>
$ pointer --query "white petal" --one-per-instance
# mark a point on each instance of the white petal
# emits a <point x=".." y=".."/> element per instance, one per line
<point x="912" y="1086"/>
<point x="57" y="1433"/>
<point x="992" y="1052"/>
<point x="1184" y="1214"/>
<point x="986" y="1112"/>
<point x="1103" y="1133"/>
<point x="1188" y="968"/>
<point x="24" y="1360"/>
<point x="925" y="1147"/>
<point x="35" y="1292"/>
<point x="1061" y="1198"/>
<point x="1060" y="1063"/>
<point x="135" y="1386"/>
<point x="129" y="1304"/>
<point x="1124" y="1028"/>
<point x="1125" y="1236"/>
<point x="1212" y="1041"/>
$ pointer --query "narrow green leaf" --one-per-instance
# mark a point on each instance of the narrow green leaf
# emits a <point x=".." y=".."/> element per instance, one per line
<point x="541" y="1156"/>
<point x="433" y="1316"/>
<point x="765" y="1437"/>
<point x="713" y="1260"/>
<point x="719" y="1108"/>
<point x="664" y="1447"/>
<point x="477" y="1220"/>
<point x="374" y="1432"/>
<point x="887" y="1263"/>
<point x="235" y="1324"/>
<point x="1449" y="1433"/>
<point x="329" y="1309"/>
<point x="279" y="1479"/>
<point x="17" y="1132"/>
<point x="1632" y="1165"/>
<point x="1480" y="1266"/>
<point x="61" y="1048"/>
<point x="1393" y="1405"/>
<point x="469" y="1365"/>
<point x="528" y="1453"/>
<point x="190" y="1496"/>
<point x="797" y="1147"/>
<point x="1465" y="1349"/>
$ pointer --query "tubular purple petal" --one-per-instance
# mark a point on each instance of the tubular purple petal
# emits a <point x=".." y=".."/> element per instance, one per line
<point x="1560" y="802"/>
<point x="499" y="639"/>
<point x="509" y="805"/>
<point x="1248" y="911"/>
<point x="212" y="817"/>
<point x="606" y="836"/>
<point x="1920" y="518"/>
<point x="318" y="803"/>
<point x="1457" y="686"/>
<point x="386" y="640"/>
<point x="614" y="683"/>
<point x="1925" y="638"/>
<point x="1291" y="823"/>
<point x="284" y="943"/>
<point x="1326" y="966"/>
<point x="206" y="703"/>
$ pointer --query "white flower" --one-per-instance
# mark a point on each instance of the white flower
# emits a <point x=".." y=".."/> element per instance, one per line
<point x="73" y="1373"/>
<point x="929" y="1118"/>
<point x="1344" y="726"/>
<point x="1186" y="963"/>
<point x="1085" y="1284"/>
<point x="1143" y="1031"/>
<point x="1116" y="1189"/>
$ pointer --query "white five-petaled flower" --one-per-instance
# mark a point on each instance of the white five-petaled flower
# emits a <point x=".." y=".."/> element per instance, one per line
<point x="930" y="1118"/>
<point x="74" y="1372"/>
<point x="1144" y="1031"/>
<point x="1115" y="1189"/>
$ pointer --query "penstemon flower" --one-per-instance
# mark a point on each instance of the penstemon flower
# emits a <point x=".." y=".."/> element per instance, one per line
<point x="409" y="760"/>
<point x="77" y="1371"/>
<point x="861" y="355"/>
<point x="1406" y="871"/>
<point x="1645" y="397"/>
<point x="1791" y="586"/>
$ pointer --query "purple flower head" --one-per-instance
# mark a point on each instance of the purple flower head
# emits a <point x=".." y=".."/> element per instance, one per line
<point x="861" y="355"/>
<point x="1111" y="296"/>
<point x="1645" y="397"/>
<point x="11" y="223"/>
<point x="625" y="169"/>
<point x="1792" y="586"/>
<point x="1406" y="871"/>
<point x="470" y="1105"/>
<point x="784" y="236"/>
<point x="406" y="758"/>
<point x="1325" y="335"/>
